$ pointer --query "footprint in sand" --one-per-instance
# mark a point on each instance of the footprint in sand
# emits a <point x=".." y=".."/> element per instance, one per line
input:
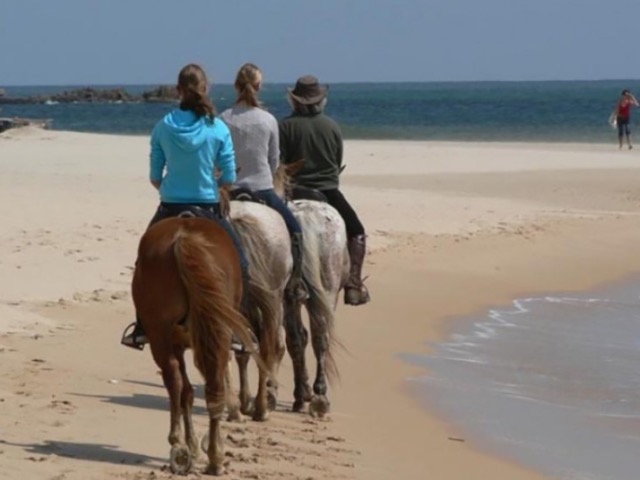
<point x="63" y="406"/>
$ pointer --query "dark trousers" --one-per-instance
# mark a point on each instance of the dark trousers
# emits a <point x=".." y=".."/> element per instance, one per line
<point x="274" y="201"/>
<point x="206" y="210"/>
<point x="348" y="214"/>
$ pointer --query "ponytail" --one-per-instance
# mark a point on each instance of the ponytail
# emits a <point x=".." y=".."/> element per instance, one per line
<point x="194" y="87"/>
<point x="247" y="85"/>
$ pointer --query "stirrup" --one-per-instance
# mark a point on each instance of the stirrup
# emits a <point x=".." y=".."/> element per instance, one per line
<point x="238" y="347"/>
<point x="361" y="291"/>
<point x="129" y="339"/>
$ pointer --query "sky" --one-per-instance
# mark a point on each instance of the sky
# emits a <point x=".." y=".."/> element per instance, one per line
<point x="76" y="42"/>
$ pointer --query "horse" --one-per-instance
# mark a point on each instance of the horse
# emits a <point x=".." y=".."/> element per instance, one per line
<point x="187" y="291"/>
<point x="267" y="244"/>
<point x="325" y="269"/>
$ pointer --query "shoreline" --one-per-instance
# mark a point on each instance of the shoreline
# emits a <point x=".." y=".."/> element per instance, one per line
<point x="609" y="269"/>
<point x="432" y="397"/>
<point x="533" y="144"/>
<point x="546" y="144"/>
<point x="452" y="230"/>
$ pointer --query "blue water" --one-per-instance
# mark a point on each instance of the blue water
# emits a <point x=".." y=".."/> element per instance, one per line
<point x="552" y="382"/>
<point x="471" y="111"/>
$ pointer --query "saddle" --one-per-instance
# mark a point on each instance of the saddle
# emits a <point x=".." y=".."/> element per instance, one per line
<point x="244" y="194"/>
<point x="304" y="193"/>
<point x="188" y="211"/>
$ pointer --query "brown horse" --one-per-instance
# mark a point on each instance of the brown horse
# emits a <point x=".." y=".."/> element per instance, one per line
<point x="187" y="292"/>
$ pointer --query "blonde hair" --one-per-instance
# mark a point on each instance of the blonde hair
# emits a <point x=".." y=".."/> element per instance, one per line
<point x="193" y="87"/>
<point x="247" y="85"/>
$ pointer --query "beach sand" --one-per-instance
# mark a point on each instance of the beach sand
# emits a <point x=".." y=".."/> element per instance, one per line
<point x="452" y="229"/>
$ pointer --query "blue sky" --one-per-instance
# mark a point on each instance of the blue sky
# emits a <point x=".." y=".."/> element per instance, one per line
<point x="147" y="41"/>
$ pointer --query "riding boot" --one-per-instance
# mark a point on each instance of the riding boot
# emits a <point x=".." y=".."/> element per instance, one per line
<point x="296" y="288"/>
<point x="355" y="292"/>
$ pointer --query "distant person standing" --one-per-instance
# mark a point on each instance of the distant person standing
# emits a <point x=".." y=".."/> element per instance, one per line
<point x="623" y="116"/>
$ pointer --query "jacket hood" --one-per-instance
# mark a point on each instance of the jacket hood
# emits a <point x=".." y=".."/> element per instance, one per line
<point x="186" y="130"/>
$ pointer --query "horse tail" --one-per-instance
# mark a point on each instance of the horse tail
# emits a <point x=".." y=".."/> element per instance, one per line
<point x="212" y="313"/>
<point x="262" y="302"/>
<point x="319" y="301"/>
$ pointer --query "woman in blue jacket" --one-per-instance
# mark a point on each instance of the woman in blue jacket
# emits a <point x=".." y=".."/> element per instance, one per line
<point x="188" y="146"/>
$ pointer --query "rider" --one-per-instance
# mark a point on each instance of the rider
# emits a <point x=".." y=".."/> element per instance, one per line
<point x="187" y="147"/>
<point x="255" y="139"/>
<point x="623" y="116"/>
<point x="311" y="135"/>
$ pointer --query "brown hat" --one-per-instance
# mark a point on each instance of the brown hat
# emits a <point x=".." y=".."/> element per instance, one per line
<point x="308" y="91"/>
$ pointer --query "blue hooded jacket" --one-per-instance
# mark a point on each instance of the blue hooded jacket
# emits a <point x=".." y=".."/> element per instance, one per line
<point x="185" y="152"/>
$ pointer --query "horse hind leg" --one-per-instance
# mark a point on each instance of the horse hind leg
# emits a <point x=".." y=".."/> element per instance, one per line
<point x="233" y="401"/>
<point x="246" y="402"/>
<point x="320" y="404"/>
<point x="272" y="382"/>
<point x="180" y="455"/>
<point x="186" y="400"/>
<point x="297" y="339"/>
<point x="215" y="395"/>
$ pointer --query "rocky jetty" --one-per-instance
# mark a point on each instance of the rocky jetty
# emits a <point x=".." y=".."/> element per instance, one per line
<point x="163" y="93"/>
<point x="9" y="123"/>
<point x="95" y="95"/>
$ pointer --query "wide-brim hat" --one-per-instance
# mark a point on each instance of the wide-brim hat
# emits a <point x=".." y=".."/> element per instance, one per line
<point x="308" y="91"/>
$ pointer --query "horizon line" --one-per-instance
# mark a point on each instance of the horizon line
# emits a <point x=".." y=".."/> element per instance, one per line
<point x="357" y="82"/>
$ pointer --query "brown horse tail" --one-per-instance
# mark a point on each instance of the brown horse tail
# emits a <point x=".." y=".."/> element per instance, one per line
<point x="319" y="301"/>
<point x="261" y="298"/>
<point x="212" y="313"/>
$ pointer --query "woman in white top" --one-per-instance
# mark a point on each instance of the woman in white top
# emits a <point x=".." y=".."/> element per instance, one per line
<point x="256" y="142"/>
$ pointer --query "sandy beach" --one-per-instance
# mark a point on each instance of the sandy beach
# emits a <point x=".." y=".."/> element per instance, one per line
<point x="453" y="228"/>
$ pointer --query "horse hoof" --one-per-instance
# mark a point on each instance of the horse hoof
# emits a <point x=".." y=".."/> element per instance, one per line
<point x="272" y="401"/>
<point x="204" y="443"/>
<point x="180" y="459"/>
<point x="216" y="470"/>
<point x="298" y="406"/>
<point x="319" y="406"/>
<point x="260" y="416"/>
<point x="235" y="417"/>
<point x="248" y="408"/>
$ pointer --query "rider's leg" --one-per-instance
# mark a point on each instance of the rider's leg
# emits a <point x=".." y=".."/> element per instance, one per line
<point x="355" y="292"/>
<point x="134" y="335"/>
<point x="296" y="287"/>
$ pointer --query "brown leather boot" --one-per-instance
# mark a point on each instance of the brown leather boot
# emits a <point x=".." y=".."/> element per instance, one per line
<point x="355" y="292"/>
<point x="296" y="288"/>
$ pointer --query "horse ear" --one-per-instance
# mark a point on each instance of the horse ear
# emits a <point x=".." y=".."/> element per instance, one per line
<point x="293" y="168"/>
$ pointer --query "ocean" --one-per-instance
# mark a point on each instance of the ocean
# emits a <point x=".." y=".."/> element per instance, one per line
<point x="554" y="111"/>
<point x="552" y="382"/>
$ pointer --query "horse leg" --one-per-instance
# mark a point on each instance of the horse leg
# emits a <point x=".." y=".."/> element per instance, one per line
<point x="215" y="395"/>
<point x="246" y="402"/>
<point x="233" y="402"/>
<point x="272" y="382"/>
<point x="169" y="363"/>
<point x="297" y="339"/>
<point x="186" y="401"/>
<point x="320" y="342"/>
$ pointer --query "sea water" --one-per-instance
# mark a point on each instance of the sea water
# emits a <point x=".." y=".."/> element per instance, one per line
<point x="552" y="382"/>
<point x="451" y="111"/>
